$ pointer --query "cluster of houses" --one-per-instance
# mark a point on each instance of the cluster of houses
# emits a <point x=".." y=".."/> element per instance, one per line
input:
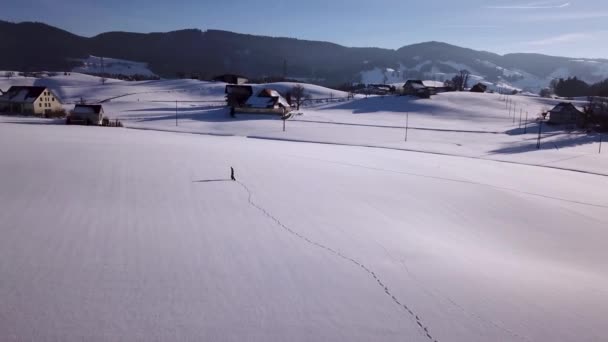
<point x="43" y="102"/>
<point x="424" y="89"/>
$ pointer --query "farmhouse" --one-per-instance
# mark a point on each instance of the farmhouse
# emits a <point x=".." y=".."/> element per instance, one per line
<point x="479" y="88"/>
<point x="268" y="100"/>
<point x="231" y="79"/>
<point x="436" y="87"/>
<point x="86" y="114"/>
<point x="416" y="88"/>
<point x="565" y="113"/>
<point x="29" y="100"/>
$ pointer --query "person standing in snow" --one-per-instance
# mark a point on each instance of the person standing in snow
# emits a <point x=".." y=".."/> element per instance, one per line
<point x="232" y="174"/>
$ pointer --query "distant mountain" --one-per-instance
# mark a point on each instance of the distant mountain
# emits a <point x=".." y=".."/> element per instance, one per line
<point x="35" y="46"/>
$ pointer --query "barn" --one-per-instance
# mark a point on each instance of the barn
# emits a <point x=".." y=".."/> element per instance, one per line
<point x="565" y="113"/>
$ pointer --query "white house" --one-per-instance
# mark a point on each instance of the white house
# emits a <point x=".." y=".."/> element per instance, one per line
<point x="29" y="100"/>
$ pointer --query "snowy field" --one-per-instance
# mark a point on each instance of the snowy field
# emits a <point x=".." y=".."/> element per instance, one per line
<point x="463" y="124"/>
<point x="337" y="229"/>
<point x="130" y="235"/>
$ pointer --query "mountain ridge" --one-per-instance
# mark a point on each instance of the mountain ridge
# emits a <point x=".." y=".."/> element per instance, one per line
<point x="210" y="52"/>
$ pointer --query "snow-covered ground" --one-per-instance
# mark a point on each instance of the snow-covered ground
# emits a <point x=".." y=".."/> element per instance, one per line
<point x="121" y="235"/>
<point x="463" y="124"/>
<point x="99" y="65"/>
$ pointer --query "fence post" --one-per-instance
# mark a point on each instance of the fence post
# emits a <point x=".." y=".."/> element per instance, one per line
<point x="175" y="113"/>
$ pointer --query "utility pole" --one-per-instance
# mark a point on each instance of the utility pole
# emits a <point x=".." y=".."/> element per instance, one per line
<point x="521" y="112"/>
<point x="407" y="123"/>
<point x="526" y="124"/>
<point x="540" y="129"/>
<point x="514" y="111"/>
<point x="175" y="113"/>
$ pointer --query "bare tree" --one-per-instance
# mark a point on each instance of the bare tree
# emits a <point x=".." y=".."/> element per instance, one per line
<point x="461" y="80"/>
<point x="9" y="74"/>
<point x="298" y="94"/>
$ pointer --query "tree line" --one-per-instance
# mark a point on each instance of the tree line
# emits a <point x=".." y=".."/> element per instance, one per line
<point x="574" y="87"/>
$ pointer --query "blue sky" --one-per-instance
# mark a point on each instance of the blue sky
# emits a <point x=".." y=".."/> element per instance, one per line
<point x="572" y="28"/>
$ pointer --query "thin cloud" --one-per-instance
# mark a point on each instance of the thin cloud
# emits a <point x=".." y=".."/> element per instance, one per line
<point x="532" y="6"/>
<point x="567" y="16"/>
<point x="568" y="39"/>
<point x="560" y="39"/>
<point x="472" y="26"/>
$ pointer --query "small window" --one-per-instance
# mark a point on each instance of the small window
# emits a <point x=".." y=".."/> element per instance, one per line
<point x="40" y="105"/>
<point x="53" y="99"/>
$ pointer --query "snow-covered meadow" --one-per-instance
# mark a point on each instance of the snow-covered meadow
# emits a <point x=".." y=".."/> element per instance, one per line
<point x="463" y="233"/>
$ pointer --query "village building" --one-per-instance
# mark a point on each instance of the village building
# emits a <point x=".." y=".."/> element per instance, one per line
<point x="86" y="114"/>
<point x="237" y="95"/>
<point x="29" y="100"/>
<point x="268" y="100"/>
<point x="565" y="113"/>
<point x="416" y="88"/>
<point x="479" y="88"/>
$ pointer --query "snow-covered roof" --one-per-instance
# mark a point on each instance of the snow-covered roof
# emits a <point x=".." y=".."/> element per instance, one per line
<point x="260" y="102"/>
<point x="88" y="109"/>
<point x="433" y="84"/>
<point x="23" y="93"/>
<point x="267" y="98"/>
<point x="562" y="107"/>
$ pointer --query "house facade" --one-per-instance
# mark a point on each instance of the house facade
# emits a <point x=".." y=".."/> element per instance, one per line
<point x="29" y="100"/>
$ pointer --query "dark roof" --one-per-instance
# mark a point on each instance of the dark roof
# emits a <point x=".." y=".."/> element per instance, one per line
<point x="232" y="88"/>
<point x="267" y="92"/>
<point x="228" y="77"/>
<point x="96" y="108"/>
<point x="563" y="105"/>
<point x="32" y="92"/>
